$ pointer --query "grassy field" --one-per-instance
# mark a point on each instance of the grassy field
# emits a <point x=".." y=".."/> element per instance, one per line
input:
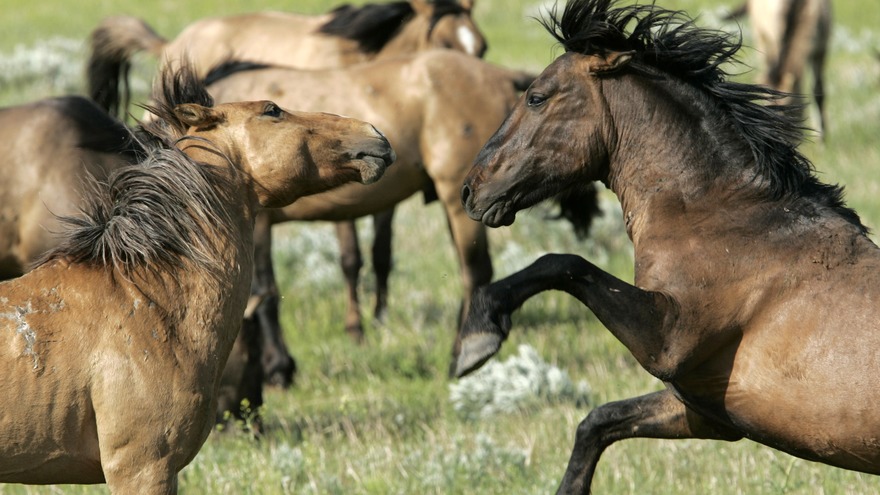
<point x="382" y="418"/>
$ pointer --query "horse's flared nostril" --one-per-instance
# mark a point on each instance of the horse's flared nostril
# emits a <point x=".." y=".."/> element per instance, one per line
<point x="465" y="194"/>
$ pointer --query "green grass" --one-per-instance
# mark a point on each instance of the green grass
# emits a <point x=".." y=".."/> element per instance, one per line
<point x="376" y="419"/>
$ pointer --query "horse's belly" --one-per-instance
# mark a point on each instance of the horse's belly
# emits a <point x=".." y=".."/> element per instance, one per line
<point x="809" y="422"/>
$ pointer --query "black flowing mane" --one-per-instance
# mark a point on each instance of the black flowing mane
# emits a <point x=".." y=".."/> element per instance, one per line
<point x="161" y="211"/>
<point x="372" y="26"/>
<point x="670" y="42"/>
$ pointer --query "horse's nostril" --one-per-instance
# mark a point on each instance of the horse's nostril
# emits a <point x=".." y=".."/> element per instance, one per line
<point x="465" y="194"/>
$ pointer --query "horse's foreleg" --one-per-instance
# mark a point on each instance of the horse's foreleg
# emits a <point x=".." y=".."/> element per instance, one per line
<point x="278" y="365"/>
<point x="382" y="259"/>
<point x="635" y="316"/>
<point x="472" y="246"/>
<point x="656" y="415"/>
<point x="351" y="262"/>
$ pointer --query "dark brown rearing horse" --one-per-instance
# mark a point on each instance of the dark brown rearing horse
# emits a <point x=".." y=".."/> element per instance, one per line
<point x="756" y="288"/>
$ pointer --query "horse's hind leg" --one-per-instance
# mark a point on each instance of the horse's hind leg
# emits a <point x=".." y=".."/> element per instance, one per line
<point x="656" y="415"/>
<point x="351" y="262"/>
<point x="382" y="248"/>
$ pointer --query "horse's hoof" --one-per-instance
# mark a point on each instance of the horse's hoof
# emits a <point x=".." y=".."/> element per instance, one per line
<point x="476" y="349"/>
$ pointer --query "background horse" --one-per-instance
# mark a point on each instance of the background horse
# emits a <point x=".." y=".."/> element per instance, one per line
<point x="117" y="339"/>
<point x="51" y="146"/>
<point x="437" y="109"/>
<point x="345" y="36"/>
<point x="348" y="35"/>
<point x="791" y="35"/>
<point x="755" y="288"/>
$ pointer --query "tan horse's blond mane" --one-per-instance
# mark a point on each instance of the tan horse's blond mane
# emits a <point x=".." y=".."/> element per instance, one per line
<point x="154" y="215"/>
<point x="159" y="212"/>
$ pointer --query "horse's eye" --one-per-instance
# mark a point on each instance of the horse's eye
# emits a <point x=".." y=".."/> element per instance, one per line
<point x="536" y="100"/>
<point x="272" y="110"/>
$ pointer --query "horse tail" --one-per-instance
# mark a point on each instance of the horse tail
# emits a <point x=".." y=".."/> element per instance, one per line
<point x="112" y="44"/>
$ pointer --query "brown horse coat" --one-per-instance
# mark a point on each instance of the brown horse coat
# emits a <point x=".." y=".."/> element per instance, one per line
<point x="116" y="341"/>
<point x="756" y="288"/>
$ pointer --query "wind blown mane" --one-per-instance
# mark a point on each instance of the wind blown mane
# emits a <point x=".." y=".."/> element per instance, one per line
<point x="156" y="214"/>
<point x="670" y="42"/>
<point x="372" y="26"/>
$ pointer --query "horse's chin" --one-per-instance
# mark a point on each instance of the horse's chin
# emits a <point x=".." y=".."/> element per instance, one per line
<point x="498" y="215"/>
<point x="372" y="168"/>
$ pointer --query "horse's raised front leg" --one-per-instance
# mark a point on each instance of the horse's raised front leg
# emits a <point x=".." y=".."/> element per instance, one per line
<point x="656" y="415"/>
<point x="278" y="365"/>
<point x="382" y="244"/>
<point x="638" y="318"/>
<point x="351" y="262"/>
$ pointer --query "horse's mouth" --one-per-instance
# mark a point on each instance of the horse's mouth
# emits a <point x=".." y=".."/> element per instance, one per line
<point x="372" y="166"/>
<point x="498" y="214"/>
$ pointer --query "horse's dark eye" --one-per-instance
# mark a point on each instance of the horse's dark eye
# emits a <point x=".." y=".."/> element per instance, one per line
<point x="536" y="100"/>
<point x="272" y="110"/>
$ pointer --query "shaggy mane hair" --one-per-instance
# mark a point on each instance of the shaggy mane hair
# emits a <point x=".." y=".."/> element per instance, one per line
<point x="156" y="214"/>
<point x="670" y="42"/>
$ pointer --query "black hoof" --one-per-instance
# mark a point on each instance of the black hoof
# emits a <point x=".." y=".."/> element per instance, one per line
<point x="476" y="349"/>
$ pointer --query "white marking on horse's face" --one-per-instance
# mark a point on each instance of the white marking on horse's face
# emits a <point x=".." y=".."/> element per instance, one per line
<point x="468" y="39"/>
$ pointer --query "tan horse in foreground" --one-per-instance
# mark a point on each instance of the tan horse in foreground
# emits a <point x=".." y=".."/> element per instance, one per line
<point x="756" y="288"/>
<point x="116" y="341"/>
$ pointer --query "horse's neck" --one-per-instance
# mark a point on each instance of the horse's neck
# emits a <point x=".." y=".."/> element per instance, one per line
<point x="215" y="301"/>
<point x="668" y="153"/>
<point x="410" y="39"/>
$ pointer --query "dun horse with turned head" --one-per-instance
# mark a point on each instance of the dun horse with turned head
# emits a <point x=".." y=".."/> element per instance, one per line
<point x="345" y="36"/>
<point x="437" y="108"/>
<point x="115" y="342"/>
<point x="756" y="288"/>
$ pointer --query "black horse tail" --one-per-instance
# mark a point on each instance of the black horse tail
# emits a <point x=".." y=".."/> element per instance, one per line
<point x="112" y="45"/>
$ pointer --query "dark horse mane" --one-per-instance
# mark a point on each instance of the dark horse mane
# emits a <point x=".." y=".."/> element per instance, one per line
<point x="372" y="26"/>
<point x="230" y="67"/>
<point x="159" y="212"/>
<point x="670" y="42"/>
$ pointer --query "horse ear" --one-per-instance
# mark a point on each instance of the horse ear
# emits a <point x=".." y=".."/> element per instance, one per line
<point x="195" y="115"/>
<point x="467" y="4"/>
<point x="610" y="62"/>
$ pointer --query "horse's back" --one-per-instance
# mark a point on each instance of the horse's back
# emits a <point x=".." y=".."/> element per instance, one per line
<point x="277" y="38"/>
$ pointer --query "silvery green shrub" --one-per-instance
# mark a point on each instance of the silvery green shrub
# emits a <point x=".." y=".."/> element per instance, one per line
<point x="523" y="381"/>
